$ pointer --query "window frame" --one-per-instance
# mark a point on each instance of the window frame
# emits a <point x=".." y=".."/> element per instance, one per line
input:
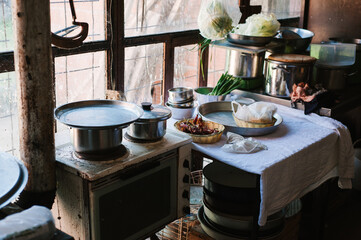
<point x="115" y="44"/>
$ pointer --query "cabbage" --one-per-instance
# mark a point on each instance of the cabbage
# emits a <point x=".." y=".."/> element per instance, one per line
<point x="216" y="17"/>
<point x="260" y="25"/>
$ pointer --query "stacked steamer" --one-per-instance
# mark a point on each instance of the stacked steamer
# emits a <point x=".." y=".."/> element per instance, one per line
<point x="181" y="102"/>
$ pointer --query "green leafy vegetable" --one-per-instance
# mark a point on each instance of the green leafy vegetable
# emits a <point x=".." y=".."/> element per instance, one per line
<point x="226" y="84"/>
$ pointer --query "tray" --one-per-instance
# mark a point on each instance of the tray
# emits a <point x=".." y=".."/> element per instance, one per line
<point x="13" y="178"/>
<point x="221" y="112"/>
<point x="98" y="114"/>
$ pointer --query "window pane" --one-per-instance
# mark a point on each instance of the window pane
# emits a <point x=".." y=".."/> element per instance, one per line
<point x="90" y="11"/>
<point x="186" y="66"/>
<point x="9" y="129"/>
<point x="282" y="8"/>
<point x="6" y="29"/>
<point x="79" y="77"/>
<point x="143" y="73"/>
<point x="216" y="64"/>
<point x="159" y="16"/>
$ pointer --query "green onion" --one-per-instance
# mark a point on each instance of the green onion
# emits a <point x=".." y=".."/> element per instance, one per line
<point x="226" y="84"/>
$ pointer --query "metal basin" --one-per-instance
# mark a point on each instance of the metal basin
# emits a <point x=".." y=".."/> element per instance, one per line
<point x="294" y="44"/>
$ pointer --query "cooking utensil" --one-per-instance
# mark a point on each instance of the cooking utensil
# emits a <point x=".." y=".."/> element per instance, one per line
<point x="244" y="64"/>
<point x="333" y="78"/>
<point x="242" y="223"/>
<point x="221" y="112"/>
<point x="216" y="232"/>
<point x="248" y="40"/>
<point x="182" y="113"/>
<point x="182" y="105"/>
<point x="96" y="125"/>
<point x="294" y="43"/>
<point x="74" y="41"/>
<point x="180" y="95"/>
<point x="206" y="139"/>
<point x="13" y="178"/>
<point x="355" y="79"/>
<point x="284" y="70"/>
<point x="152" y="124"/>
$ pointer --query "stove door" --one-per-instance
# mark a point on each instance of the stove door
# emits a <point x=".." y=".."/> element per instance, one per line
<point x="136" y="202"/>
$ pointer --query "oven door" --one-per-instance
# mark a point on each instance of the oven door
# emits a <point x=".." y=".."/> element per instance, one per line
<point x="135" y="202"/>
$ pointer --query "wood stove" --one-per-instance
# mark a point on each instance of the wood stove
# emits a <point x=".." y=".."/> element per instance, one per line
<point x="128" y="197"/>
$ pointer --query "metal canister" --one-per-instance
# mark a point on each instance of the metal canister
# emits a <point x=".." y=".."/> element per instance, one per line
<point x="284" y="70"/>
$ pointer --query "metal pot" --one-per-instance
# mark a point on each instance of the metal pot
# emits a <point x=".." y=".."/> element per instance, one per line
<point x="333" y="78"/>
<point x="295" y="40"/>
<point x="96" y="125"/>
<point x="96" y="140"/>
<point x="152" y="125"/>
<point x="245" y="63"/>
<point x="284" y="70"/>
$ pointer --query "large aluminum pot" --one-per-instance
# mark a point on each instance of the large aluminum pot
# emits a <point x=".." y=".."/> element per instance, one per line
<point x="245" y="64"/>
<point x="96" y="125"/>
<point x="284" y="70"/>
<point x="333" y="78"/>
<point x="152" y="125"/>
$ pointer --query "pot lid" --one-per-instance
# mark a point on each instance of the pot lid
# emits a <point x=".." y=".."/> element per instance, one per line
<point x="154" y="113"/>
<point x="13" y="178"/>
<point x="292" y="58"/>
<point x="98" y="114"/>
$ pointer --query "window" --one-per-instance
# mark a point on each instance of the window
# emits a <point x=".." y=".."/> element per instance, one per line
<point x="140" y="47"/>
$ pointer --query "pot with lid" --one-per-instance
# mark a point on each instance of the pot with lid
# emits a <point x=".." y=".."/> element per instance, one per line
<point x="152" y="125"/>
<point x="284" y="70"/>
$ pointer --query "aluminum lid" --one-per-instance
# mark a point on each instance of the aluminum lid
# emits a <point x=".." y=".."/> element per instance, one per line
<point x="154" y="113"/>
<point x="98" y="114"/>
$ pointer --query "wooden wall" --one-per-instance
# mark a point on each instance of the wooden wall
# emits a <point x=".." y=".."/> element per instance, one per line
<point x="334" y="18"/>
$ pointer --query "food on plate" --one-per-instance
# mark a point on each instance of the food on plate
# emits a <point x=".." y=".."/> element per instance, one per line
<point x="258" y="25"/>
<point x="196" y="126"/>
<point x="226" y="84"/>
<point x="255" y="115"/>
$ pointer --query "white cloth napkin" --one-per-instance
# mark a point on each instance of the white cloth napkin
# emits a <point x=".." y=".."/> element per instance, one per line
<point x="237" y="144"/>
<point x="255" y="112"/>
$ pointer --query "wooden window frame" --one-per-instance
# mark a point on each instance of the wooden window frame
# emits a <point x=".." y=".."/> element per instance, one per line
<point x="115" y="44"/>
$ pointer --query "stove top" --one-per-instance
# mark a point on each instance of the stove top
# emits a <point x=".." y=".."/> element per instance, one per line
<point x="130" y="153"/>
<point x="135" y="140"/>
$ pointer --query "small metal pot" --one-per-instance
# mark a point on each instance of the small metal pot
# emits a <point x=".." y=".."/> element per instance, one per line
<point x="96" y="140"/>
<point x="280" y="75"/>
<point x="245" y="64"/>
<point x="180" y="95"/>
<point x="152" y="125"/>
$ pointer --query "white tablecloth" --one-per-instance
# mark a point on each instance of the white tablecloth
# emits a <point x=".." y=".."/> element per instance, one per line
<point x="303" y="152"/>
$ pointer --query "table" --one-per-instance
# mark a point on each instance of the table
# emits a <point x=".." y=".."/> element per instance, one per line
<point x="304" y="152"/>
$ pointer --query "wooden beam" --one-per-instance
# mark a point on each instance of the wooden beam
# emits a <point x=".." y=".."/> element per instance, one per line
<point x="33" y="65"/>
<point x="168" y="68"/>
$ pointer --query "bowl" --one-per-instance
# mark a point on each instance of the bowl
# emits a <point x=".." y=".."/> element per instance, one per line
<point x="294" y="44"/>
<point x="210" y="138"/>
<point x="245" y="124"/>
<point x="248" y="40"/>
<point x="180" y="94"/>
<point x="181" y="113"/>
<point x="203" y="97"/>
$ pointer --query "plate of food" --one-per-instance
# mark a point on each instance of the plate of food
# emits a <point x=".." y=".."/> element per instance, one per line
<point x="221" y="112"/>
<point x="201" y="131"/>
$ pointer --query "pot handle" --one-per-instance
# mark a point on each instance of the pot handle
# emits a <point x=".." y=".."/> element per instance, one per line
<point x="351" y="74"/>
<point x="281" y="68"/>
<point x="238" y="106"/>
